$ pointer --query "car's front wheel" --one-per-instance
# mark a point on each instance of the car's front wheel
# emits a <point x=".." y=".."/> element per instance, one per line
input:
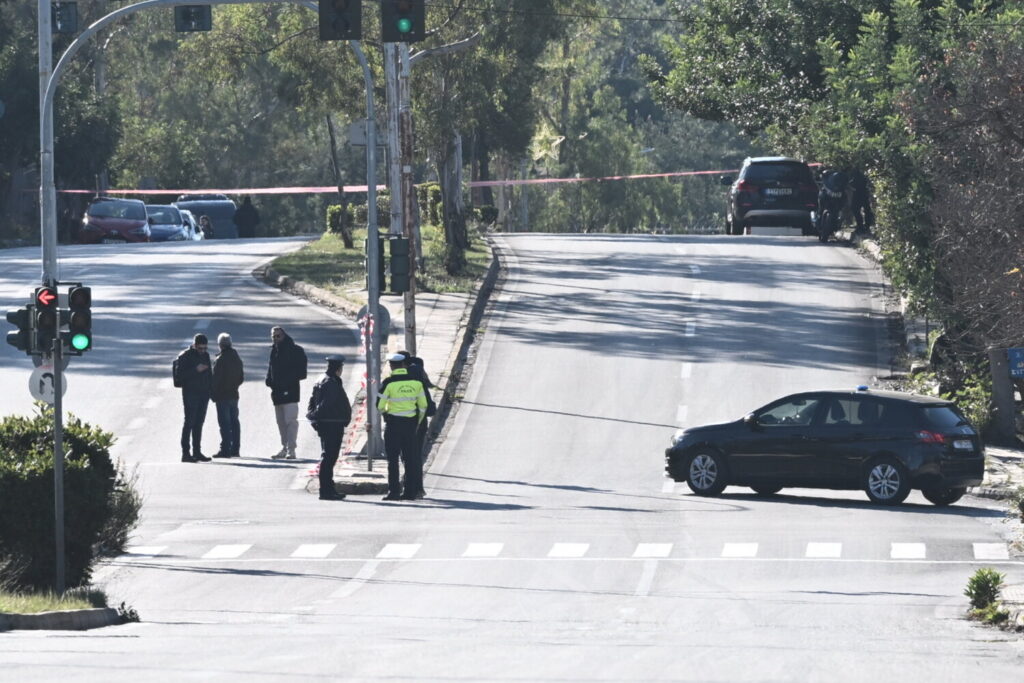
<point x="706" y="475"/>
<point x="886" y="482"/>
<point x="944" y="496"/>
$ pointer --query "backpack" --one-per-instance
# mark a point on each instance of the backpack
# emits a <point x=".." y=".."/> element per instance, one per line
<point x="176" y="372"/>
<point x="313" y="407"/>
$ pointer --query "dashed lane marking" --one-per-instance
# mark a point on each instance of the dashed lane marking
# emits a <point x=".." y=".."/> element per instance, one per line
<point x="691" y="329"/>
<point x="643" y="587"/>
<point x="824" y="550"/>
<point x="314" y="551"/>
<point x="564" y="550"/>
<point x="686" y="371"/>
<point x="364" y="574"/>
<point x="907" y="551"/>
<point x="227" y="552"/>
<point x="695" y="296"/>
<point x="653" y="550"/>
<point x="483" y="550"/>
<point x="398" y="551"/>
<point x="991" y="551"/>
<point x="734" y="550"/>
<point x="144" y="551"/>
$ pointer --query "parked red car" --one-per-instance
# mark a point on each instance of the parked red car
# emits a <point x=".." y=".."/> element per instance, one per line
<point x="114" y="220"/>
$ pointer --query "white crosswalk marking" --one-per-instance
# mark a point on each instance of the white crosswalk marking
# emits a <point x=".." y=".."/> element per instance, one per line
<point x="739" y="550"/>
<point x="825" y="550"/>
<point x="652" y="550"/>
<point x="483" y="550"/>
<point x="314" y="551"/>
<point x="399" y="551"/>
<point x="227" y="552"/>
<point x="991" y="551"/>
<point x="568" y="550"/>
<point x="907" y="551"/>
<point x="144" y="550"/>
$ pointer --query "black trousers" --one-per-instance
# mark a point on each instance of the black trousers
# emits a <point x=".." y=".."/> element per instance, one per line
<point x="400" y="442"/>
<point x="195" y="415"/>
<point x="330" y="448"/>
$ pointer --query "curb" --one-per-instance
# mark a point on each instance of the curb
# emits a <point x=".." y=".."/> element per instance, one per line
<point x="67" y="620"/>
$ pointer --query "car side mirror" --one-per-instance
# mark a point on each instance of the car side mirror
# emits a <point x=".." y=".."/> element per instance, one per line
<point x="725" y="180"/>
<point x="750" y="420"/>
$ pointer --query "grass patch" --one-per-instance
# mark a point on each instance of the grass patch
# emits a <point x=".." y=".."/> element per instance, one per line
<point x="326" y="263"/>
<point x="34" y="603"/>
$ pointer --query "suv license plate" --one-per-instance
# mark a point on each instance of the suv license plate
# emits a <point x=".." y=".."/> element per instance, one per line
<point x="107" y="240"/>
<point x="778" y="190"/>
<point x="963" y="445"/>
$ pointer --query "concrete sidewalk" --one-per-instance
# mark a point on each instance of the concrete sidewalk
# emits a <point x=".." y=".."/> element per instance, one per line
<point x="445" y="326"/>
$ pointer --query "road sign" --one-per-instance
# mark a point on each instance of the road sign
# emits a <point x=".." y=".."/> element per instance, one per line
<point x="42" y="384"/>
<point x="1016" y="360"/>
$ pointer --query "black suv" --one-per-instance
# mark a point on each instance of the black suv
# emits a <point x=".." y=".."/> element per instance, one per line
<point x="882" y="442"/>
<point x="219" y="208"/>
<point x="771" y="191"/>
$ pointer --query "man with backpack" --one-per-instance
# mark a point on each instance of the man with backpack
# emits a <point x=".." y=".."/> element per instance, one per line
<point x="191" y="372"/>
<point x="329" y="411"/>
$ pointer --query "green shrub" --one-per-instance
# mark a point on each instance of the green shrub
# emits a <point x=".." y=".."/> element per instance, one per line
<point x="488" y="214"/>
<point x="983" y="588"/>
<point x="100" y="505"/>
<point x="429" y="197"/>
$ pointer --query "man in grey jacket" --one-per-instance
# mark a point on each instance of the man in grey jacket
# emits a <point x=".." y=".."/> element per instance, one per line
<point x="228" y="375"/>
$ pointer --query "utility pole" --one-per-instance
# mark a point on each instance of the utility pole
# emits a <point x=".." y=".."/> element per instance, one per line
<point x="410" y="226"/>
<point x="394" y="171"/>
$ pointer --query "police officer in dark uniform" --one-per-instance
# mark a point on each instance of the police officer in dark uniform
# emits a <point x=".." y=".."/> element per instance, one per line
<point x="329" y="411"/>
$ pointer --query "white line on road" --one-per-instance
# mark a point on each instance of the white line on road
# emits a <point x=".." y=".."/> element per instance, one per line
<point x="568" y="550"/>
<point x="356" y="582"/>
<point x="314" y="551"/>
<point x="398" y="551"/>
<point x="483" y="550"/>
<point x="991" y="551"/>
<point x="652" y="550"/>
<point x="646" y="578"/>
<point x="828" y="550"/>
<point x="135" y="551"/>
<point x="695" y="296"/>
<point x="681" y="412"/>
<point x="686" y="371"/>
<point x="227" y="552"/>
<point x="907" y="551"/>
<point x="691" y="328"/>
<point x="739" y="550"/>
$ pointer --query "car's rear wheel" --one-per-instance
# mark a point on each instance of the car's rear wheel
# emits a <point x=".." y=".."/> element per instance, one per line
<point x="732" y="227"/>
<point x="706" y="475"/>
<point x="765" y="490"/>
<point x="886" y="482"/>
<point x="944" y="496"/>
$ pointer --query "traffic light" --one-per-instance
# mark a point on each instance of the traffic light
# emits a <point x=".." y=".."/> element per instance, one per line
<point x="22" y="339"/>
<point x="64" y="17"/>
<point x="192" y="18"/>
<point x="79" y="334"/>
<point x="402" y="21"/>
<point x="340" y="19"/>
<point x="46" y="318"/>
<point x="400" y="267"/>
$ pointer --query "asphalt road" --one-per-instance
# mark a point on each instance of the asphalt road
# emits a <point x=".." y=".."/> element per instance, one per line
<point x="551" y="547"/>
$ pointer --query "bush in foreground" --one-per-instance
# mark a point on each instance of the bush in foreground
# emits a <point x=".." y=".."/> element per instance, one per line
<point x="101" y="505"/>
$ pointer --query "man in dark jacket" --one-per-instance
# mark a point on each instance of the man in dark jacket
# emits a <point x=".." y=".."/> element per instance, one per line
<point x="192" y="374"/>
<point x="246" y="218"/>
<point x="329" y="411"/>
<point x="228" y="375"/>
<point x="287" y="369"/>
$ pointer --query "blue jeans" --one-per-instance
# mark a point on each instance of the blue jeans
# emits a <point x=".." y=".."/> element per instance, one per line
<point x="230" y="429"/>
<point x="195" y="415"/>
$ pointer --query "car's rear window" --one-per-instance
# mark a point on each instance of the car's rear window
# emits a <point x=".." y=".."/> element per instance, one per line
<point x="942" y="417"/>
<point x="115" y="209"/>
<point x="779" y="173"/>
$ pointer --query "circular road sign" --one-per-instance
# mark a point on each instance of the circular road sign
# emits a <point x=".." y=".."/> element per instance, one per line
<point x="42" y="384"/>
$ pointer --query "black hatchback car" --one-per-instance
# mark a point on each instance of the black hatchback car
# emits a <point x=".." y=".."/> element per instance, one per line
<point x="882" y="442"/>
<point x="771" y="191"/>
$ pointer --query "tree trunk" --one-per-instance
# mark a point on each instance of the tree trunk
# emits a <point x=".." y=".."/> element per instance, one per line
<point x="454" y="218"/>
<point x="344" y="226"/>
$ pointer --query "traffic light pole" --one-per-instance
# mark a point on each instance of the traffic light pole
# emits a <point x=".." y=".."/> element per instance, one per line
<point x="58" y="460"/>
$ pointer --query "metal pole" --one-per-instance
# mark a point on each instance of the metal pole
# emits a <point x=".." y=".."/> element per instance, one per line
<point x="58" y="462"/>
<point x="373" y="256"/>
<point x="409" y="227"/>
<point x="47" y="195"/>
<point x="394" y="154"/>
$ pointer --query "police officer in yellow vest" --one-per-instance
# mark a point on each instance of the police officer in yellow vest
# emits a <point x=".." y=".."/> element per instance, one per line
<point x="403" y="403"/>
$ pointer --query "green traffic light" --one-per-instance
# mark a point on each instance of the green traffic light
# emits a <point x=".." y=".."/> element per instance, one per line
<point x="404" y="25"/>
<point x="80" y="342"/>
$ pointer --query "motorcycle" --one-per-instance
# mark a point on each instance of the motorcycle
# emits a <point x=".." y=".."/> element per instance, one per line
<point x="831" y="201"/>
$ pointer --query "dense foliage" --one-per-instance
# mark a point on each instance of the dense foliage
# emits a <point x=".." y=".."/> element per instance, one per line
<point x="100" y="503"/>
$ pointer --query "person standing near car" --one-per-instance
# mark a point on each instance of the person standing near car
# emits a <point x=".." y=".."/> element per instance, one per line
<point x="246" y="218"/>
<point x="329" y="412"/>
<point x="287" y="368"/>
<point x="403" y="404"/>
<point x="206" y="227"/>
<point x="191" y="371"/>
<point x="860" y="201"/>
<point x="228" y="375"/>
